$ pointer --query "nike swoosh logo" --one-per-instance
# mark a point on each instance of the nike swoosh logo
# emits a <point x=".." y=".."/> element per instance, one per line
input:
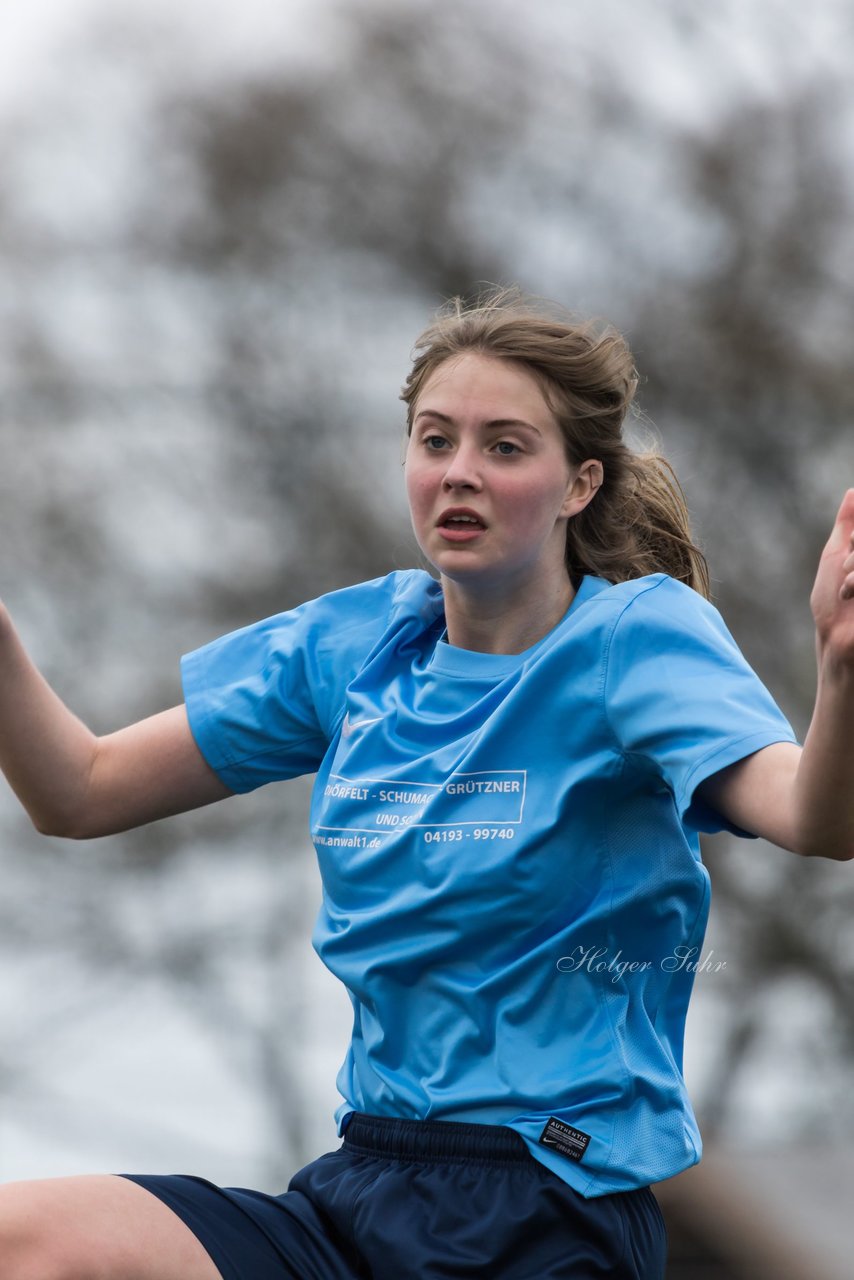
<point x="350" y="725"/>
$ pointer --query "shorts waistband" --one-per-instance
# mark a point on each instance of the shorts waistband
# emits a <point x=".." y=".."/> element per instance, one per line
<point x="439" y="1140"/>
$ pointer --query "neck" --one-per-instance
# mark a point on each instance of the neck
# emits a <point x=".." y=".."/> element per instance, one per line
<point x="490" y="622"/>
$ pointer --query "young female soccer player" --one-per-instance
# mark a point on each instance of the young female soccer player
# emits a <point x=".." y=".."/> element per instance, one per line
<point x="514" y="759"/>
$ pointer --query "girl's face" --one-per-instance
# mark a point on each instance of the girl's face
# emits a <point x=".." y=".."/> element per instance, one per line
<point x="489" y="485"/>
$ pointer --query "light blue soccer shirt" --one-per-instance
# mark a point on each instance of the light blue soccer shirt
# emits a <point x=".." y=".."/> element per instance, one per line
<point x="512" y="886"/>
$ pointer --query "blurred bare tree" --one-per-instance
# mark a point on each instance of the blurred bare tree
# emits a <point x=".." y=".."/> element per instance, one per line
<point x="210" y="452"/>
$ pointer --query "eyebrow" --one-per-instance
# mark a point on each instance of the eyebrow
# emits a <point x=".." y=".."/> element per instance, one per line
<point x="494" y="422"/>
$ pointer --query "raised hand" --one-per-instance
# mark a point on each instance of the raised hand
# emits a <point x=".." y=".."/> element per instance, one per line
<point x="832" y="597"/>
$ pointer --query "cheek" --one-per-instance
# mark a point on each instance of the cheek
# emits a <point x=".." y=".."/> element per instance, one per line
<point x="534" y="502"/>
<point x="417" y="487"/>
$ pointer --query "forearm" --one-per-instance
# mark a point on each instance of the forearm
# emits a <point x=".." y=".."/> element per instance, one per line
<point x="75" y="784"/>
<point x="46" y="753"/>
<point x="823" y="799"/>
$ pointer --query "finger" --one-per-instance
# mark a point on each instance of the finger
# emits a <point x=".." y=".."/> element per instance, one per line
<point x="843" y="529"/>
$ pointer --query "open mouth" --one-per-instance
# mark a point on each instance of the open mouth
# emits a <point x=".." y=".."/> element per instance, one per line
<point x="460" y="526"/>
<point x="462" y="522"/>
<point x="456" y="529"/>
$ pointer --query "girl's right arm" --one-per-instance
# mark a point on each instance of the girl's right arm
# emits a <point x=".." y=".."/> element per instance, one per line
<point x="75" y="784"/>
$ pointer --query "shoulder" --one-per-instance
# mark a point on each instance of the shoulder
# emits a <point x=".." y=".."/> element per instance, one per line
<point x="656" y="592"/>
<point x="651" y="607"/>
<point x="657" y="632"/>
<point x="390" y="601"/>
<point x="398" y="595"/>
<point x="332" y="630"/>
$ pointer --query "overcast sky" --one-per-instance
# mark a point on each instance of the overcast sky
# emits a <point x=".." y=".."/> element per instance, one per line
<point x="690" y="60"/>
<point x="220" y="33"/>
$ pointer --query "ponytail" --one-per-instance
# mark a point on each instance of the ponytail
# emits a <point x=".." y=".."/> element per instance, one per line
<point x="637" y="524"/>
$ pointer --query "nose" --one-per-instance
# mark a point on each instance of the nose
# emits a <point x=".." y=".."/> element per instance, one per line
<point x="463" y="469"/>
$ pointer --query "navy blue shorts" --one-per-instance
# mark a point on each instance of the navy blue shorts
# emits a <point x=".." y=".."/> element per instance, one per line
<point x="421" y="1200"/>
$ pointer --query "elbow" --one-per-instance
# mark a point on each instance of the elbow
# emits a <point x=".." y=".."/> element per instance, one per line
<point x="65" y="812"/>
<point x="831" y="837"/>
<point x="842" y="853"/>
<point x="836" y="850"/>
<point x="60" y="826"/>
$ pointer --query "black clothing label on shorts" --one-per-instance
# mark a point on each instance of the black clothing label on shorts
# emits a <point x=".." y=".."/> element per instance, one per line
<point x="568" y="1141"/>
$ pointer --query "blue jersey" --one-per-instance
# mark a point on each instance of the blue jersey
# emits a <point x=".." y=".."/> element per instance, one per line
<point x="513" y="893"/>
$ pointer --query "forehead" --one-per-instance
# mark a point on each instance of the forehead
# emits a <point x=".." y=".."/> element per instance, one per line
<point x="485" y="387"/>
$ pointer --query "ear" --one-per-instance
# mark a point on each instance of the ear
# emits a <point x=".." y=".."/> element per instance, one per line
<point x="582" y="488"/>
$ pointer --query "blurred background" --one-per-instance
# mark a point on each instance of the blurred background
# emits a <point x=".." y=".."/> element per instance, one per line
<point x="222" y="226"/>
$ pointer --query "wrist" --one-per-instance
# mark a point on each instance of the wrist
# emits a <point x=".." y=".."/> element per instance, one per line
<point x="835" y="668"/>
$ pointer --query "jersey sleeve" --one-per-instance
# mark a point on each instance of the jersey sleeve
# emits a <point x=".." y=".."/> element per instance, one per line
<point x="681" y="699"/>
<point x="264" y="701"/>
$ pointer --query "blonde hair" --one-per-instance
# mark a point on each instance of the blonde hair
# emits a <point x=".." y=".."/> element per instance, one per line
<point x="637" y="523"/>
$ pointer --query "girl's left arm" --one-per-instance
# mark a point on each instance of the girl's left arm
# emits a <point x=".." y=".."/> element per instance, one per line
<point x="802" y="798"/>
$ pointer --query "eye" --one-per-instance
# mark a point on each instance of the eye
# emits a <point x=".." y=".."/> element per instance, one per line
<point x="434" y="443"/>
<point x="507" y="448"/>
